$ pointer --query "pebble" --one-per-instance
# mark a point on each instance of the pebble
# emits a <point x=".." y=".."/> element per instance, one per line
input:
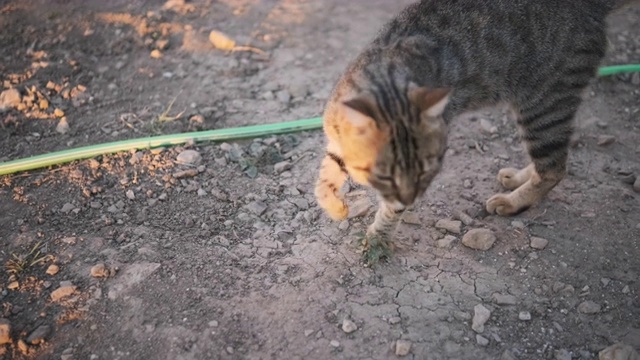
<point x="562" y="354"/>
<point x="411" y="218"/>
<point x="504" y="299"/>
<point x="301" y="203"/>
<point x="53" y="269"/>
<point x="10" y="98"/>
<point x="395" y="320"/>
<point x="359" y="208"/>
<point x="635" y="78"/>
<point x="605" y="281"/>
<point x="257" y="207"/>
<point x="5" y="331"/>
<point x="155" y="54"/>
<point x="229" y="349"/>
<point x="39" y="334"/>
<point x="480" y="316"/>
<point x="308" y="332"/>
<point x="487" y="127"/>
<point x="462" y="216"/>
<point x="66" y="208"/>
<point x="452" y="226"/>
<point x="349" y="326"/>
<point x="283" y="96"/>
<point x="130" y="195"/>
<point x="335" y="343"/>
<point x="636" y="185"/>
<point x="100" y="271"/>
<point x="507" y="355"/>
<point x="58" y="113"/>
<point x="202" y="192"/>
<point x="62" y="292"/>
<point x="22" y="345"/>
<point x="446" y="242"/>
<point x="604" y="140"/>
<point x="481" y="340"/>
<point x="619" y="351"/>
<point x="626" y="289"/>
<point x="403" y="347"/>
<point x="213" y="323"/>
<point x="538" y="243"/>
<point x="189" y="157"/>
<point x="524" y="316"/>
<point x="281" y="167"/>
<point x="13" y="285"/>
<point x="63" y="126"/>
<point x="589" y="307"/>
<point x="344" y="225"/>
<point x="479" y="239"/>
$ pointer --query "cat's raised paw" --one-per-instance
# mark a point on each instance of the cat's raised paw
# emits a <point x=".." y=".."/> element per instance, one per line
<point x="503" y="205"/>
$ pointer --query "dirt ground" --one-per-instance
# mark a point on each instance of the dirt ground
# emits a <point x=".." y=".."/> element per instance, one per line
<point x="227" y="256"/>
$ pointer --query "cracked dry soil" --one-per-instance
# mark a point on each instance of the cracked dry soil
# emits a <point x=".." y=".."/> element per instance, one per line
<point x="227" y="256"/>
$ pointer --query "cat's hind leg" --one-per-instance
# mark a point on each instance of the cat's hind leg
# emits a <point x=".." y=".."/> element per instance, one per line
<point x="546" y="128"/>
<point x="330" y="179"/>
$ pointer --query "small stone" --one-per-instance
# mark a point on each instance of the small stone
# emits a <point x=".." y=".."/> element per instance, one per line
<point x="635" y="78"/>
<point x="349" y="326"/>
<point x="308" y="332"/>
<point x="281" y="167"/>
<point x="395" y="320"/>
<point x="604" y="140"/>
<point x="344" y="225"/>
<point x="403" y="347"/>
<point x="63" y="126"/>
<point x="480" y="316"/>
<point x="452" y="226"/>
<point x="13" y="285"/>
<point x="257" y="207"/>
<point x="589" y="307"/>
<point x="506" y="299"/>
<point x="335" y="343"/>
<point x="462" y="216"/>
<point x="301" y="203"/>
<point x="155" y="54"/>
<point x="10" y="98"/>
<point x="605" y="281"/>
<point x="66" y="208"/>
<point x="189" y="157"/>
<point x="626" y="289"/>
<point x="229" y="349"/>
<point x="411" y="218"/>
<point x="5" y="331"/>
<point x="130" y="195"/>
<point x="62" y="292"/>
<point x="538" y="243"/>
<point x="479" y="239"/>
<point x="636" y="185"/>
<point x="359" y="208"/>
<point x="58" y="113"/>
<point x="213" y="323"/>
<point x="39" y="334"/>
<point x="562" y="354"/>
<point x="446" y="242"/>
<point x="619" y="351"/>
<point x="53" y="269"/>
<point x="283" y="96"/>
<point x="201" y="192"/>
<point x="481" y="340"/>
<point x="487" y="127"/>
<point x="100" y="271"/>
<point x="23" y="347"/>
<point x="524" y="316"/>
<point x="507" y="355"/>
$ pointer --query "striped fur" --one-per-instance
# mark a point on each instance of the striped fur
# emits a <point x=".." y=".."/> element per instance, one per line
<point x="386" y="121"/>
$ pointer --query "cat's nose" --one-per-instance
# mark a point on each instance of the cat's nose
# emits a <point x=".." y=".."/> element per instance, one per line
<point x="407" y="198"/>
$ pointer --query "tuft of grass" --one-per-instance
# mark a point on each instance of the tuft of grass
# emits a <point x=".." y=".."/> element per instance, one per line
<point x="21" y="262"/>
<point x="165" y="117"/>
<point x="375" y="249"/>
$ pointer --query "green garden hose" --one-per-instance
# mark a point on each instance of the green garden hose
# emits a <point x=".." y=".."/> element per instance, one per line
<point x="65" y="156"/>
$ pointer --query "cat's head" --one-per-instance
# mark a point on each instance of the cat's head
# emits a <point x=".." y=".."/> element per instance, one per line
<point x="396" y="145"/>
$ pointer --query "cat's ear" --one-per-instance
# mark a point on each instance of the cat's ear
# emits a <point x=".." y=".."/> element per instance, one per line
<point x="360" y="110"/>
<point x="431" y="101"/>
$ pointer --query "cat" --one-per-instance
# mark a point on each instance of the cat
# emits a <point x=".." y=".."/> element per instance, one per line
<point x="386" y="122"/>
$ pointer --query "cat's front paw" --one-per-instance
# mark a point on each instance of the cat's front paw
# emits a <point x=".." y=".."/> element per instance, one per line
<point x="508" y="178"/>
<point x="504" y="205"/>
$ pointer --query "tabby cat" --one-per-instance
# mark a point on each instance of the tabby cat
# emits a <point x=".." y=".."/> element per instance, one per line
<point x="387" y="119"/>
